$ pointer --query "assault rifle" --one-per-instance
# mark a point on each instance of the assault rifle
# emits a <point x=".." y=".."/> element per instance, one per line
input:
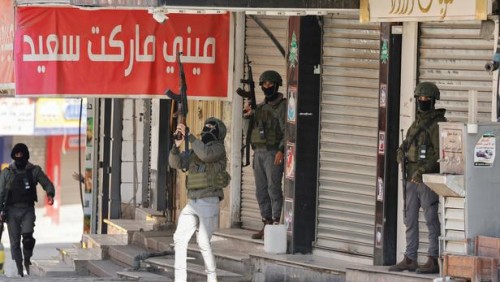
<point x="403" y="171"/>
<point x="250" y="94"/>
<point x="182" y="111"/>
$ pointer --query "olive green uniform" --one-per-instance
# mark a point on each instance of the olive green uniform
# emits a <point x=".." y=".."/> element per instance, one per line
<point x="268" y="137"/>
<point x="422" y="139"/>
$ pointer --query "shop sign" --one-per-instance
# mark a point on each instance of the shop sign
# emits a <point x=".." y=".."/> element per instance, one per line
<point x="423" y="10"/>
<point x="222" y="4"/>
<point x="17" y="116"/>
<point x="56" y="116"/>
<point x="6" y="45"/>
<point x="64" y="52"/>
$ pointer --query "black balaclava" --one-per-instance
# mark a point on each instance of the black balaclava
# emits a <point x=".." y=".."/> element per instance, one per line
<point x="425" y="106"/>
<point x="20" y="162"/>
<point x="271" y="93"/>
<point x="210" y="132"/>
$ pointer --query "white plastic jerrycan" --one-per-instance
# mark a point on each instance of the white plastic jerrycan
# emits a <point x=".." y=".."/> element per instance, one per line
<point x="275" y="239"/>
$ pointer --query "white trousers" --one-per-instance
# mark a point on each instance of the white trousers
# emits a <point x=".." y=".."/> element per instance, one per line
<point x="201" y="214"/>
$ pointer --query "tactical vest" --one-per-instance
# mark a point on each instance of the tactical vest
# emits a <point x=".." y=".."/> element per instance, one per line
<point x="205" y="176"/>
<point x="21" y="187"/>
<point x="266" y="130"/>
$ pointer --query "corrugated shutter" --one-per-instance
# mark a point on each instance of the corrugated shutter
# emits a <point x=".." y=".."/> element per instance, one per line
<point x="453" y="56"/>
<point x="264" y="56"/>
<point x="348" y="140"/>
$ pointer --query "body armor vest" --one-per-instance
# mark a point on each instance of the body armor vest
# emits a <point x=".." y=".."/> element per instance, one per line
<point x="266" y="130"/>
<point x="22" y="188"/>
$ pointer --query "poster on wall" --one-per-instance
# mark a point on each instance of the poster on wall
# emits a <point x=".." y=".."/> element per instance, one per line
<point x="484" y="151"/>
<point x="289" y="214"/>
<point x="119" y="53"/>
<point x="88" y="175"/>
<point x="290" y="161"/>
<point x="292" y="105"/>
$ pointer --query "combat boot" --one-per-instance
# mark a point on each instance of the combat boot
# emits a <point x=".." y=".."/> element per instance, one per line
<point x="19" y="264"/>
<point x="259" y="235"/>
<point x="430" y="267"/>
<point x="27" y="264"/>
<point x="405" y="264"/>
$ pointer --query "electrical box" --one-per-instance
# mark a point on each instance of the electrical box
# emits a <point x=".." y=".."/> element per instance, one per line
<point x="468" y="183"/>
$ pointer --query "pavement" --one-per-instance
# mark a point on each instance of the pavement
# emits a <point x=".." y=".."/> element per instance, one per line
<point x="49" y="236"/>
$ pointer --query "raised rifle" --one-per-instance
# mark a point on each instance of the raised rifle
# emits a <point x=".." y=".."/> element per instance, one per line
<point x="182" y="111"/>
<point x="404" y="163"/>
<point x="250" y="94"/>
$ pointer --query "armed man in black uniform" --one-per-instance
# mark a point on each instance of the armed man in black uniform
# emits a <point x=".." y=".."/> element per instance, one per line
<point x="17" y="203"/>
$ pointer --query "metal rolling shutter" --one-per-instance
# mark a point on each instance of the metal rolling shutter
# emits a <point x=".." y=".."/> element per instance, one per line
<point x="264" y="56"/>
<point x="348" y="138"/>
<point x="453" y="56"/>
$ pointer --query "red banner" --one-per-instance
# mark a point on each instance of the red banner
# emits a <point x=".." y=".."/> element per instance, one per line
<point x="6" y="45"/>
<point x="73" y="52"/>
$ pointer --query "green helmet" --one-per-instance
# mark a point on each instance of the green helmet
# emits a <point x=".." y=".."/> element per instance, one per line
<point x="427" y="89"/>
<point x="271" y="75"/>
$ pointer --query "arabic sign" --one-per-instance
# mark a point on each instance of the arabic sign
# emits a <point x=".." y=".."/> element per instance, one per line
<point x="73" y="52"/>
<point x="6" y="45"/>
<point x="423" y="10"/>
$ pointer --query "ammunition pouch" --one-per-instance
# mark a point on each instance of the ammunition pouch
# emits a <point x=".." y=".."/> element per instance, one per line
<point x="202" y="180"/>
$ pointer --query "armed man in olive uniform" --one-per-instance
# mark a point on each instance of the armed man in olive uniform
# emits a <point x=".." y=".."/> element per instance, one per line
<point x="268" y="142"/>
<point x="17" y="203"/>
<point x="419" y="152"/>
<point x="206" y="177"/>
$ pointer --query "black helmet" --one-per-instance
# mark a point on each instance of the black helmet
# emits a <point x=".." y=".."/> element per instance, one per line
<point x="271" y="75"/>
<point x="428" y="89"/>
<point x="20" y="148"/>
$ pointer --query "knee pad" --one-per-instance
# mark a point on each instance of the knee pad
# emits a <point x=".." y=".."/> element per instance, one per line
<point x="28" y="241"/>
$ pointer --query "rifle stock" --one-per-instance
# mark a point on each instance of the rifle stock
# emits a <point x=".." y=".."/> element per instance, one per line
<point x="182" y="110"/>
<point x="403" y="172"/>
<point x="250" y="94"/>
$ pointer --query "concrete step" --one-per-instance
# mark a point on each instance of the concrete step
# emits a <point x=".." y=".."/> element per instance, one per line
<point x="128" y="226"/>
<point x="77" y="257"/>
<point x="238" y="238"/>
<point x="196" y="272"/>
<point x="148" y="214"/>
<point x="143" y="276"/>
<point x="104" y="268"/>
<point x="52" y="268"/>
<point x="103" y="240"/>
<point x="382" y="274"/>
<point x="132" y="256"/>
<point x="297" y="267"/>
<point x="227" y="257"/>
<point x="154" y="240"/>
<point x="125" y="254"/>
